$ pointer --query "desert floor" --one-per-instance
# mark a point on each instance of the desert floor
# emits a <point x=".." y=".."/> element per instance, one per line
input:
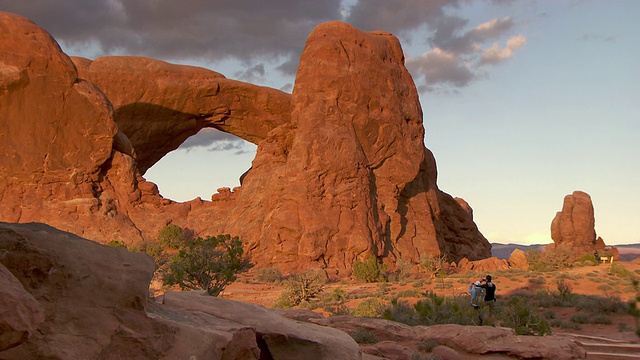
<point x="587" y="280"/>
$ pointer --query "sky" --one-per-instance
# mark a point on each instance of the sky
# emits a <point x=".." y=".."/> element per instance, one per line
<point x="524" y="101"/>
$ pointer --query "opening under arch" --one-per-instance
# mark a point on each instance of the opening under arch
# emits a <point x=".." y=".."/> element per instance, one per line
<point x="209" y="160"/>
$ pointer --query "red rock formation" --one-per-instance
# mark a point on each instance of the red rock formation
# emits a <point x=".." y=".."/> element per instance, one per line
<point x="341" y="170"/>
<point x="159" y="105"/>
<point x="574" y="226"/>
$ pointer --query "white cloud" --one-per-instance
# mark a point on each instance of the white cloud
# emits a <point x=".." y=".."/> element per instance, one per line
<point x="495" y="55"/>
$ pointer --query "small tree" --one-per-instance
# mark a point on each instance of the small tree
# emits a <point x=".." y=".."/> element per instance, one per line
<point x="300" y="288"/>
<point x="435" y="264"/>
<point x="171" y="236"/>
<point x="209" y="264"/>
<point x="370" y="271"/>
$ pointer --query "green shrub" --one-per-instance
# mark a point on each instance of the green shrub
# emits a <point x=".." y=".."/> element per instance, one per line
<point x="580" y="318"/>
<point x="370" y="271"/>
<point x="270" y="275"/>
<point x="362" y="336"/>
<point x="523" y="319"/>
<point x="619" y="270"/>
<point x="300" y="288"/>
<point x="117" y="244"/>
<point x="597" y="304"/>
<point x="586" y="260"/>
<point x="400" y="311"/>
<point x="209" y="264"/>
<point x="410" y="293"/>
<point x="171" y="236"/>
<point x="539" y="281"/>
<point x="565" y="324"/>
<point x="371" y="307"/>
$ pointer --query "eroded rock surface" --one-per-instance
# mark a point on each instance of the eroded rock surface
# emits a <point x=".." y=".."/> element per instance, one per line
<point x="94" y="305"/>
<point x="341" y="170"/>
<point x="574" y="227"/>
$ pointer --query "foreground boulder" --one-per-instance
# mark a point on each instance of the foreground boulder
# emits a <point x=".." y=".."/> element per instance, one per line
<point x="341" y="171"/>
<point x="464" y="340"/>
<point x="93" y="300"/>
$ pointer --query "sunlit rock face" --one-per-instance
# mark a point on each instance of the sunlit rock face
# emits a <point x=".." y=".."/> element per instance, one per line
<point x="574" y="226"/>
<point x="350" y="175"/>
<point x="341" y="170"/>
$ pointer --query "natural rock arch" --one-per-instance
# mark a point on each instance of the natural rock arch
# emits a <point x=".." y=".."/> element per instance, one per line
<point x="159" y="105"/>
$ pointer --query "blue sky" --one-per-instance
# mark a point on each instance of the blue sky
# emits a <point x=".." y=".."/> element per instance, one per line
<point x="524" y="101"/>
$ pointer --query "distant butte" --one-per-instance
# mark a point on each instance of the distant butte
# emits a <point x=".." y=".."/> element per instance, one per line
<point x="341" y="171"/>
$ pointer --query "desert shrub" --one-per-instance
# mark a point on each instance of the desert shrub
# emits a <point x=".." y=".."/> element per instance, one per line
<point x="564" y="288"/>
<point x="605" y="287"/>
<point x="619" y="270"/>
<point x="171" y="236"/>
<point x="371" y="307"/>
<point x="402" y="274"/>
<point x="435" y="265"/>
<point x="410" y="293"/>
<point x="333" y="302"/>
<point x="209" y="264"/>
<point x="362" y="336"/>
<point x="586" y="260"/>
<point x="300" y="288"/>
<point x="160" y="258"/>
<point x="565" y="324"/>
<point x="596" y="304"/>
<point x="400" y="311"/>
<point x="419" y="283"/>
<point x="370" y="270"/>
<point x="117" y="244"/>
<point x="270" y="275"/>
<point x="582" y="318"/>
<point x="434" y="309"/>
<point x="548" y="314"/>
<point x="553" y="258"/>
<point x="523" y="319"/>
<point x="540" y="280"/>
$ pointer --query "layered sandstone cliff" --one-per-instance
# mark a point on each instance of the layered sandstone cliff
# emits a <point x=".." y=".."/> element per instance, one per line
<point x="341" y="170"/>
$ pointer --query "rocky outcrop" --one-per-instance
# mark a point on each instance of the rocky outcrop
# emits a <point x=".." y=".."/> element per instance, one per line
<point x="465" y="340"/>
<point x="94" y="301"/>
<point x="341" y="170"/>
<point x="518" y="260"/>
<point x="575" y="224"/>
<point x="484" y="265"/>
<point x="20" y="313"/>
<point x="574" y="227"/>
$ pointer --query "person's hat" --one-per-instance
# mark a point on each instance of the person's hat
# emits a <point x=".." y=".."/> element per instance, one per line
<point x="477" y="283"/>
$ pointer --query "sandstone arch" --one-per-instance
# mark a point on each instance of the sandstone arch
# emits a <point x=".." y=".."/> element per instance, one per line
<point x="159" y="105"/>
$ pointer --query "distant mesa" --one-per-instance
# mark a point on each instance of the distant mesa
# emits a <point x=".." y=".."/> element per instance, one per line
<point x="341" y="170"/>
<point x="574" y="226"/>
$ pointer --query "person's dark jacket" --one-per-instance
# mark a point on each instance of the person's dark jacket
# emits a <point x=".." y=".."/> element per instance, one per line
<point x="490" y="291"/>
